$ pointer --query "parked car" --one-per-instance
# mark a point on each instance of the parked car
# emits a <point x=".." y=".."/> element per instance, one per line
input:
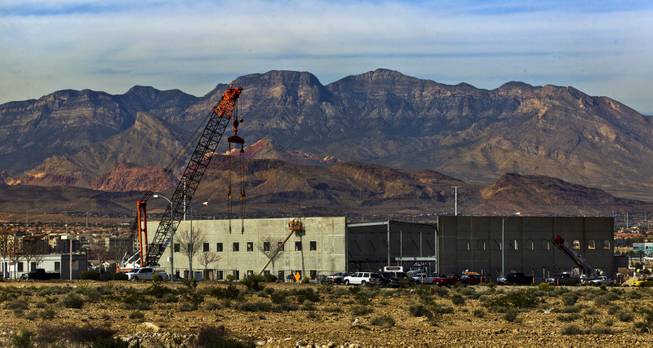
<point x="336" y="278"/>
<point x="563" y="279"/>
<point x="472" y="278"/>
<point x="444" y="280"/>
<point x="40" y="274"/>
<point x="397" y="279"/>
<point x="418" y="277"/>
<point x="600" y="280"/>
<point x="357" y="278"/>
<point x="146" y="273"/>
<point x="515" y="278"/>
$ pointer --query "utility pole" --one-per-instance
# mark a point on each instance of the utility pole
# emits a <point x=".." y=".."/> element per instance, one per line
<point x="455" y="200"/>
<point x="503" y="246"/>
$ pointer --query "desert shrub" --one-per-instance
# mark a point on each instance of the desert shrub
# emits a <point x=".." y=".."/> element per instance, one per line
<point x="602" y="300"/>
<point x="458" y="300"/>
<point x="211" y="306"/>
<point x="308" y="305"/>
<point x="187" y="306"/>
<point x="135" y="301"/>
<point x="286" y="307"/>
<point x="269" y="278"/>
<point x="568" y="317"/>
<point x="570" y="309"/>
<point x="339" y="292"/>
<point x="253" y="282"/>
<point x="333" y="309"/>
<point x="590" y="311"/>
<point x="90" y="275"/>
<point x="625" y="316"/>
<point x="544" y="287"/>
<point x="258" y="306"/>
<point x="95" y="336"/>
<point x="158" y="290"/>
<point x="306" y="294"/>
<point x="47" y="313"/>
<point x="419" y="310"/>
<point x="441" y="291"/>
<point x="613" y="309"/>
<point x="600" y="330"/>
<point x="17" y="305"/>
<point x="364" y="297"/>
<point x="571" y="329"/>
<point x="354" y="289"/>
<point x="137" y="316"/>
<point x="513" y="299"/>
<point x="569" y="299"/>
<point x="22" y="339"/>
<point x="511" y="315"/>
<point x="119" y="276"/>
<point x="383" y="321"/>
<point x="361" y="310"/>
<point x="215" y="337"/>
<point x="279" y="297"/>
<point x="634" y="294"/>
<point x="230" y="292"/>
<point x="438" y="308"/>
<point x="608" y="322"/>
<point x="479" y="312"/>
<point x="73" y="301"/>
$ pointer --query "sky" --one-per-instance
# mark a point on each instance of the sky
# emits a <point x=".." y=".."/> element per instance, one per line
<point x="600" y="47"/>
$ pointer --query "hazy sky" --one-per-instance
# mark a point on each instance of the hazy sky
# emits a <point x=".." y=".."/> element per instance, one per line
<point x="601" y="47"/>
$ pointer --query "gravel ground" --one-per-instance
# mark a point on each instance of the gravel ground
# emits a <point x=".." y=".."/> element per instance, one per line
<point x="342" y="317"/>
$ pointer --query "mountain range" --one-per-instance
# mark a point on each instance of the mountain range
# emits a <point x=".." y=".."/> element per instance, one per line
<point x="392" y="125"/>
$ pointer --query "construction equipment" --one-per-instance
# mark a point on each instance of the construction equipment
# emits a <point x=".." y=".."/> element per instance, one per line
<point x="585" y="268"/>
<point x="294" y="227"/>
<point x="138" y="258"/>
<point x="224" y="112"/>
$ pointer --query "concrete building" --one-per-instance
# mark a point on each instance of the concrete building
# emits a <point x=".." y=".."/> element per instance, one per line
<point x="318" y="249"/>
<point x="51" y="263"/>
<point x="457" y="243"/>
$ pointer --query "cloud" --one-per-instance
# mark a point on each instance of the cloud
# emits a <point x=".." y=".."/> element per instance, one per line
<point x="195" y="45"/>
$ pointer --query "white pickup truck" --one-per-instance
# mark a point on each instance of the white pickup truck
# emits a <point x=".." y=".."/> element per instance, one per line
<point x="146" y="273"/>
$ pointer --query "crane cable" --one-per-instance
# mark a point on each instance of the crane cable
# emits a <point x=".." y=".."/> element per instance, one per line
<point x="242" y="189"/>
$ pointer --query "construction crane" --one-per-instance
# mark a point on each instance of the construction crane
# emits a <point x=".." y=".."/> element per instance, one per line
<point x="585" y="268"/>
<point x="218" y="120"/>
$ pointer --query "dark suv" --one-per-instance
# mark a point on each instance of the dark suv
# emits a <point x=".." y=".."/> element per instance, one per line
<point x="397" y="279"/>
<point x="515" y="278"/>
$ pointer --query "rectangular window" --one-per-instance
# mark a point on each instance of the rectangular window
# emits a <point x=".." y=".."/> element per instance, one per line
<point x="250" y="246"/>
<point x="266" y="246"/>
<point x="236" y="274"/>
<point x="532" y="244"/>
<point x="218" y="247"/>
<point x="205" y="247"/>
<point x="313" y="245"/>
<point x="250" y="273"/>
<point x="280" y="276"/>
<point x="280" y="246"/>
<point x="313" y="274"/>
<point x="20" y="267"/>
<point x="591" y="245"/>
<point x="219" y="275"/>
<point x="468" y="245"/>
<point x="57" y="266"/>
<point x="480" y="245"/>
<point x="606" y="245"/>
<point x="177" y="247"/>
<point x="515" y="245"/>
<point x="266" y="273"/>
<point x="32" y="266"/>
<point x="236" y="246"/>
<point x="298" y="246"/>
<point x="547" y="245"/>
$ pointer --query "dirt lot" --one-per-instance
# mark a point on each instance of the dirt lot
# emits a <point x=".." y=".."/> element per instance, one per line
<point x="95" y="313"/>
